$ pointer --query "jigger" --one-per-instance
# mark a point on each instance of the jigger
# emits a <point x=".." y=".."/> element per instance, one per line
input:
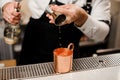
<point x="63" y="59"/>
<point x="59" y="18"/>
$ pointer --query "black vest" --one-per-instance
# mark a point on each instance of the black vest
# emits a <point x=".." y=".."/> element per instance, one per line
<point x="41" y="38"/>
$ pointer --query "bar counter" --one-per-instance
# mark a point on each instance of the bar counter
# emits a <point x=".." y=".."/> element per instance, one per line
<point x="105" y="67"/>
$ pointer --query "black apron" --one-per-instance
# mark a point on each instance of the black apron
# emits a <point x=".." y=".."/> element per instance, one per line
<point x="41" y="38"/>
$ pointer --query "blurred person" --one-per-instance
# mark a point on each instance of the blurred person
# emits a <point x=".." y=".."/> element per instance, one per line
<point x="42" y="36"/>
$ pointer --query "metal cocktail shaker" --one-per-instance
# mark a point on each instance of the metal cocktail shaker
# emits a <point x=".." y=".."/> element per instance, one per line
<point x="59" y="18"/>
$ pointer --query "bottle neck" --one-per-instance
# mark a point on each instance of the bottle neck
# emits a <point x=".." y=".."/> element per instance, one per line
<point x="15" y="26"/>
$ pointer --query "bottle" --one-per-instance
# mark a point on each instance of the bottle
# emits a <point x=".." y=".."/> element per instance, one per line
<point x="12" y="32"/>
<point x="59" y="18"/>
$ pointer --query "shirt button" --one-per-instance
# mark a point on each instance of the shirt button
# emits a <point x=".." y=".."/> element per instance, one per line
<point x="59" y="37"/>
<point x="60" y="44"/>
<point x="83" y="29"/>
<point x="59" y="32"/>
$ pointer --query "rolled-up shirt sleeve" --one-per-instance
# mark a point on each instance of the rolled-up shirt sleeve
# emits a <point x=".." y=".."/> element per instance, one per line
<point x="94" y="28"/>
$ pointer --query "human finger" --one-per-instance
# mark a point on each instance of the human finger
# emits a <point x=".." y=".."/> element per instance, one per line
<point x="59" y="10"/>
<point x="11" y="19"/>
<point x="51" y="18"/>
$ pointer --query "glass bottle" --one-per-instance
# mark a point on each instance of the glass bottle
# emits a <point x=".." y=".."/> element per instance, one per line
<point x="12" y="32"/>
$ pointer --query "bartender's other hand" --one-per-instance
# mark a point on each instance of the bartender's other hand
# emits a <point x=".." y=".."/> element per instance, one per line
<point x="73" y="14"/>
<point x="10" y="14"/>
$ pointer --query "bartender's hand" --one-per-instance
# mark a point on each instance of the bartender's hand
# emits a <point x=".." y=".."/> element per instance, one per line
<point x="73" y="14"/>
<point x="10" y="14"/>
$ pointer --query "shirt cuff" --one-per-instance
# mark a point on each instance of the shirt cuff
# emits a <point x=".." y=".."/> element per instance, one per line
<point x="94" y="29"/>
<point x="86" y="27"/>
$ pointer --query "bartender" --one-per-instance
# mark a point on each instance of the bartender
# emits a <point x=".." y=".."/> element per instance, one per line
<point x="88" y="17"/>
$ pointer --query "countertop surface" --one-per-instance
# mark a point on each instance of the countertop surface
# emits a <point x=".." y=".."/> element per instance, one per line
<point x="110" y="73"/>
<point x="105" y="67"/>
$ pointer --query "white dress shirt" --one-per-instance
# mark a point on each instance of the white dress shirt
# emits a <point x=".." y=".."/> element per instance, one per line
<point x="93" y="28"/>
<point x="2" y="2"/>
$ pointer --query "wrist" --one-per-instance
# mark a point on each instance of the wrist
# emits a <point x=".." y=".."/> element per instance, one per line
<point x="81" y="20"/>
